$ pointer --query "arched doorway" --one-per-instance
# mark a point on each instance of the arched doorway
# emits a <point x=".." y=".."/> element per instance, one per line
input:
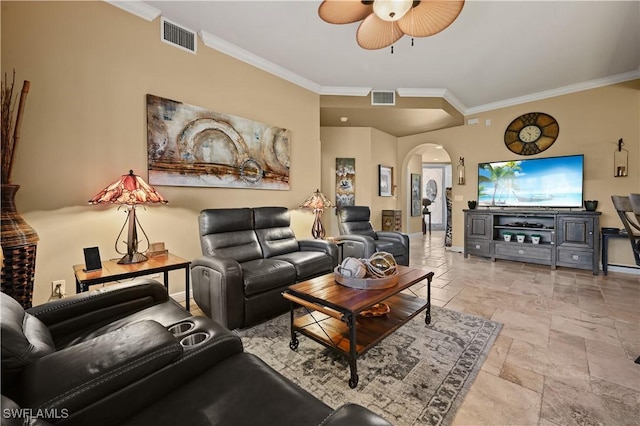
<point x="433" y="163"/>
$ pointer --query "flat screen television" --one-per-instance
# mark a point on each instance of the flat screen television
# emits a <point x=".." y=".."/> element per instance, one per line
<point x="535" y="182"/>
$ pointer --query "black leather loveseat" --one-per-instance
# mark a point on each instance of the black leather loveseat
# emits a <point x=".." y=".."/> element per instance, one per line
<point x="129" y="355"/>
<point x="250" y="256"/>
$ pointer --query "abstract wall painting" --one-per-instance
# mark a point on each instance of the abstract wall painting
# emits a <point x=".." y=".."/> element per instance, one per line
<point x="345" y="182"/>
<point x="192" y="146"/>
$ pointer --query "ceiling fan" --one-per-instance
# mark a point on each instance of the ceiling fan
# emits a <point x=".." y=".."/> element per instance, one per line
<point x="386" y="21"/>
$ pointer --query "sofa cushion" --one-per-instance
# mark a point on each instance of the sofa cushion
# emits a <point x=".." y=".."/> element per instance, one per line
<point x="274" y="232"/>
<point x="229" y="233"/>
<point x="241" y="390"/>
<point x="308" y="264"/>
<point x="261" y="275"/>
<point x="166" y="314"/>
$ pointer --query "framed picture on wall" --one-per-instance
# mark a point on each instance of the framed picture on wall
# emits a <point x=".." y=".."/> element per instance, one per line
<point x="415" y="194"/>
<point x="385" y="181"/>
<point x="345" y="182"/>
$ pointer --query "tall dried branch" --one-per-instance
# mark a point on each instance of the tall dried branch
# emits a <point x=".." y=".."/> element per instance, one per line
<point x="11" y="130"/>
<point x="8" y="104"/>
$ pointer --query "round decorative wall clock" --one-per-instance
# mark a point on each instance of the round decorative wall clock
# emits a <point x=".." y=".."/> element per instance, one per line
<point x="531" y="133"/>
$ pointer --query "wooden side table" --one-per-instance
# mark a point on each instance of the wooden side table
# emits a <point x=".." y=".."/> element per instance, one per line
<point x="112" y="271"/>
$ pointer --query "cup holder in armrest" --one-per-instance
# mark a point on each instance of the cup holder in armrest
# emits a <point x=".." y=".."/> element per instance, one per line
<point x="181" y="328"/>
<point x="194" y="339"/>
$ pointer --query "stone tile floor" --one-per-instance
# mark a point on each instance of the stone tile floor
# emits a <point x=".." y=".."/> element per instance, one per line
<point x="565" y="355"/>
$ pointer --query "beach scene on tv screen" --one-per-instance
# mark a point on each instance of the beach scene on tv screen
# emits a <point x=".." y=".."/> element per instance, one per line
<point x="542" y="182"/>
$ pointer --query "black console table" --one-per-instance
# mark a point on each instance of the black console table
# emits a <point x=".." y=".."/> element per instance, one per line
<point x="426" y="213"/>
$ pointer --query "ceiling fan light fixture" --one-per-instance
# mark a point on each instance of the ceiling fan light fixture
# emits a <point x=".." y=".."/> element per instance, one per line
<point x="391" y="10"/>
<point x="385" y="21"/>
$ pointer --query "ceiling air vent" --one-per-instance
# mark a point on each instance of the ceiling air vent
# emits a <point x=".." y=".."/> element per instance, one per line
<point x="383" y="97"/>
<point x="178" y="36"/>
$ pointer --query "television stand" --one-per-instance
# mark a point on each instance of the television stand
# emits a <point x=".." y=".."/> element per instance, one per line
<point x="546" y="237"/>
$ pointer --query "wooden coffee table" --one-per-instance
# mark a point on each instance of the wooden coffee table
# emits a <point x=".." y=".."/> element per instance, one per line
<point x="333" y="319"/>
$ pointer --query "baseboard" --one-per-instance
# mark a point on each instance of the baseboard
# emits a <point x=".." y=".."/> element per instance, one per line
<point x="633" y="270"/>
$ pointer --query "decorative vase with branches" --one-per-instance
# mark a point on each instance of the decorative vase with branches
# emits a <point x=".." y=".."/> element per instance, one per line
<point x="19" y="240"/>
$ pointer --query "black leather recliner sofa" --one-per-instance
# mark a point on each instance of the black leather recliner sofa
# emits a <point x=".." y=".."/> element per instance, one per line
<point x="360" y="239"/>
<point x="129" y="355"/>
<point x="250" y="256"/>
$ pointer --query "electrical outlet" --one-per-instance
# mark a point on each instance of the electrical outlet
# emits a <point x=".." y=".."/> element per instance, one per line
<point x="57" y="283"/>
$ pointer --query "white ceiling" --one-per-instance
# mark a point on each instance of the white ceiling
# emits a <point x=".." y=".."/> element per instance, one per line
<point x="497" y="53"/>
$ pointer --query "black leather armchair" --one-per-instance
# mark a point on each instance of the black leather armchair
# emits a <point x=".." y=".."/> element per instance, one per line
<point x="360" y="239"/>
<point x="99" y="357"/>
<point x="129" y="355"/>
<point x="250" y="256"/>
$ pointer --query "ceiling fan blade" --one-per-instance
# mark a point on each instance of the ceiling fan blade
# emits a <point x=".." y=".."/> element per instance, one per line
<point x="344" y="11"/>
<point x="430" y="17"/>
<point x="374" y="33"/>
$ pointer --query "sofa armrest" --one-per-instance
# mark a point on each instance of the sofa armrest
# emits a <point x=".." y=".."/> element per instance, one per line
<point x="218" y="289"/>
<point x="356" y="245"/>
<point x="205" y="344"/>
<point x="353" y="414"/>
<point x="99" y="306"/>
<point x="80" y="375"/>
<point x="320" y="245"/>
<point x="395" y="236"/>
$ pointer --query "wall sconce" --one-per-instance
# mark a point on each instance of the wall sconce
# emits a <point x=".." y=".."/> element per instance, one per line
<point x="461" y="171"/>
<point x="620" y="161"/>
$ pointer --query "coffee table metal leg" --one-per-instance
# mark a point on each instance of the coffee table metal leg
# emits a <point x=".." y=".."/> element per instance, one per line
<point x="427" y="318"/>
<point x="293" y="344"/>
<point x="353" y="355"/>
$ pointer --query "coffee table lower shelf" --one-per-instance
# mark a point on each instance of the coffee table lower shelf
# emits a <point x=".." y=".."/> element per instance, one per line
<point x="349" y="334"/>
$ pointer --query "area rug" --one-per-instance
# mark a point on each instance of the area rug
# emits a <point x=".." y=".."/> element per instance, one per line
<point x="418" y="375"/>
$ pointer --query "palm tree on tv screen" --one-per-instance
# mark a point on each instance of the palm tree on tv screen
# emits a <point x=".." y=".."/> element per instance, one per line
<point x="501" y="176"/>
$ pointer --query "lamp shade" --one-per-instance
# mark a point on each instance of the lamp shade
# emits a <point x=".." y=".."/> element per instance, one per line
<point x="317" y="201"/>
<point x="130" y="189"/>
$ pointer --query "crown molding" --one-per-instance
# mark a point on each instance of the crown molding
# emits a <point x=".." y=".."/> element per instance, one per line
<point x="408" y="92"/>
<point x="138" y="8"/>
<point x="433" y="93"/>
<point x="344" y="91"/>
<point x="234" y="51"/>
<point x="572" y="88"/>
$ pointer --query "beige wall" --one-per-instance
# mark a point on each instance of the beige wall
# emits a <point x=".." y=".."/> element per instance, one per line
<point x="370" y="148"/>
<point x="591" y="122"/>
<point x="90" y="65"/>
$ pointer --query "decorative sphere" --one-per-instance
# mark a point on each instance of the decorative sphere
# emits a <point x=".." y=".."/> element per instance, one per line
<point x="352" y="268"/>
<point x="381" y="264"/>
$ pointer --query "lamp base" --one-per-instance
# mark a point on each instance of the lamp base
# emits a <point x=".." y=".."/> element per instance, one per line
<point x="128" y="259"/>
<point x="317" y="230"/>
